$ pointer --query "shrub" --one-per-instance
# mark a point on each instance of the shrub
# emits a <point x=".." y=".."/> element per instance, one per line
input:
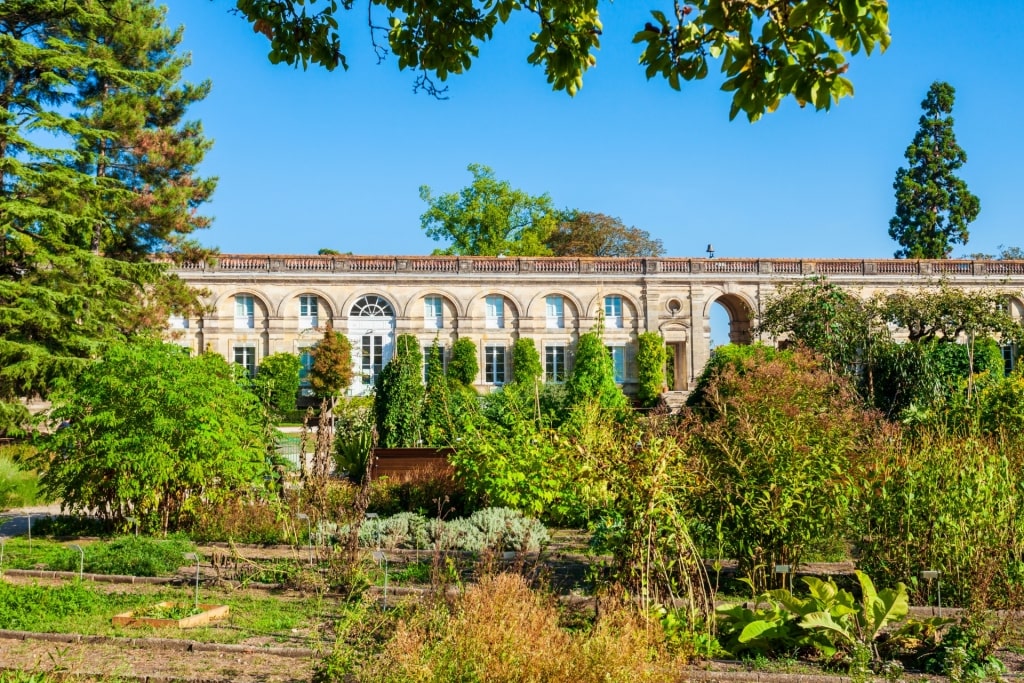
<point x="18" y="487"/>
<point x="398" y="396"/>
<point x="777" y="436"/>
<point x="277" y="382"/>
<point x="650" y="368"/>
<point x="526" y="368"/>
<point x="239" y="519"/>
<point x="353" y="440"/>
<point x="463" y="366"/>
<point x="431" y="491"/>
<point x="131" y="555"/>
<point x="147" y="430"/>
<point x="495" y="529"/>
<point x="500" y="630"/>
<point x="946" y="502"/>
<point x="593" y="375"/>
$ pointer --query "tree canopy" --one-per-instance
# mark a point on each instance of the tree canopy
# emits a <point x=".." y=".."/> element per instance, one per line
<point x="97" y="172"/>
<point x="584" y="233"/>
<point x="489" y="218"/>
<point x="767" y="51"/>
<point x="933" y="205"/>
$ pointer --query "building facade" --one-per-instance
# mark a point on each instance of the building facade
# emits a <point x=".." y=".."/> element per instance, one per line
<point x="260" y="304"/>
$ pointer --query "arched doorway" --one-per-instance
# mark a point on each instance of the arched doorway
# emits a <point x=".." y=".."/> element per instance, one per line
<point x="371" y="329"/>
<point x="730" y="320"/>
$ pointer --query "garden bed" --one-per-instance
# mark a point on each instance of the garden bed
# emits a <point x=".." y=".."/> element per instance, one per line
<point x="168" y="614"/>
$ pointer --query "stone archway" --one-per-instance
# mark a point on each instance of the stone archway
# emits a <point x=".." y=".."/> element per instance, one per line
<point x="741" y="317"/>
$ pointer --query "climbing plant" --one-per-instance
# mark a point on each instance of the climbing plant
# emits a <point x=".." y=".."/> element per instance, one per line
<point x="399" y="396"/>
<point x="650" y="368"/>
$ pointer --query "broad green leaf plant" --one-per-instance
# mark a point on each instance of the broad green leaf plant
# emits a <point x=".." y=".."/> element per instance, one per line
<point x="829" y="619"/>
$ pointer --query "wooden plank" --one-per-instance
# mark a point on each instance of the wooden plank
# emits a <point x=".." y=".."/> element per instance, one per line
<point x="403" y="463"/>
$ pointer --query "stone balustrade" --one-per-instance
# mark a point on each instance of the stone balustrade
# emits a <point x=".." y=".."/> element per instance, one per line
<point x="451" y="265"/>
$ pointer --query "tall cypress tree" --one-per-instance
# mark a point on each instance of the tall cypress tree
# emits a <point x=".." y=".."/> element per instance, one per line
<point x="74" y="260"/>
<point x="933" y="205"/>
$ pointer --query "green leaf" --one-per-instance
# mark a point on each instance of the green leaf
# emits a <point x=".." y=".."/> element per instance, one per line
<point x="755" y="629"/>
<point x="824" y="621"/>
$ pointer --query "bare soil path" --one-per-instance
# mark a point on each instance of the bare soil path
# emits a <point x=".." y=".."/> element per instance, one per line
<point x="143" y="662"/>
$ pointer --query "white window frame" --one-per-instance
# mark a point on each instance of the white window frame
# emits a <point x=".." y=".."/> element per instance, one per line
<point x="433" y="312"/>
<point x="309" y="311"/>
<point x="248" y="357"/>
<point x="618" y="355"/>
<point x="372" y="348"/>
<point x="495" y="312"/>
<point x="554" y="363"/>
<point x="495" y="364"/>
<point x="245" y="312"/>
<point x="613" y="311"/>
<point x="554" y="309"/>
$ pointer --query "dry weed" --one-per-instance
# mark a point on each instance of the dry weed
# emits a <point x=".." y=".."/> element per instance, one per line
<point x="500" y="631"/>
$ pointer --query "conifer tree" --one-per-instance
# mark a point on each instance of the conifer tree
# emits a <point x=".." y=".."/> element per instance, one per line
<point x="144" y="143"/>
<point x="75" y="271"/>
<point x="933" y="205"/>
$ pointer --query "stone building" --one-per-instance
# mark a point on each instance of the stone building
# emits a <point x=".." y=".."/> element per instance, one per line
<point x="264" y="304"/>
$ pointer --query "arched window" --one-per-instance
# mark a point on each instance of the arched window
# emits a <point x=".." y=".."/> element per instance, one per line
<point x="372" y="306"/>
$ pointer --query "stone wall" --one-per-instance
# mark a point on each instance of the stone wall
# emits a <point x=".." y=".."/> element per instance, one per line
<point x="673" y="296"/>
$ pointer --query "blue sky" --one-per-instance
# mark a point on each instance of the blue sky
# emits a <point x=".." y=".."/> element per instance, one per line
<point x="311" y="159"/>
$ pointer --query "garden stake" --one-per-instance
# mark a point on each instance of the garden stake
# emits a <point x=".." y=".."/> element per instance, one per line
<point x="928" y="575"/>
<point x="382" y="558"/>
<point x="3" y="543"/>
<point x="309" y="534"/>
<point x="81" y="559"/>
<point x="194" y="556"/>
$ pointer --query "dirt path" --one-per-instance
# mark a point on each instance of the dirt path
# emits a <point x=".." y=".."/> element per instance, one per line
<point x="113" y="660"/>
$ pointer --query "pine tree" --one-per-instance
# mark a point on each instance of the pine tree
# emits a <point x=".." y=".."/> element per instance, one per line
<point x="933" y="205"/>
<point x="75" y="271"/>
<point x="145" y="144"/>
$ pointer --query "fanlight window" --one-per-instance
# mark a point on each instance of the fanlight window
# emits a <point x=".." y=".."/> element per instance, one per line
<point x="372" y="306"/>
